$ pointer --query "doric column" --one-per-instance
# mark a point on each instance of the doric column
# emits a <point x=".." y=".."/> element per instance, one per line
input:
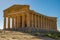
<point x="32" y="20"/>
<point x="38" y="22"/>
<point x="46" y="23"/>
<point x="4" y="22"/>
<point x="54" y="25"/>
<point x="23" y="19"/>
<point x="43" y="24"/>
<point x="41" y="21"/>
<point x="17" y="22"/>
<point x="35" y="22"/>
<point x="28" y="20"/>
<point x="49" y="25"/>
<point x="13" y="23"/>
<point x="8" y="22"/>
<point x="20" y="21"/>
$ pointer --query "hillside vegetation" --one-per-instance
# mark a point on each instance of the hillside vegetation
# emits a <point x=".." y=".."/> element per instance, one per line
<point x="15" y="35"/>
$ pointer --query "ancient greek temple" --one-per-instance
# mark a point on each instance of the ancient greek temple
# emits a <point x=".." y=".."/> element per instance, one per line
<point x="25" y="19"/>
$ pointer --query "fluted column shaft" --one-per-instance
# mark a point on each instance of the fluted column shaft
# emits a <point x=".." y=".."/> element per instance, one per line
<point x="54" y="25"/>
<point x="23" y="19"/>
<point x="38" y="22"/>
<point x="35" y="22"/>
<point x="41" y="21"/>
<point x="49" y="25"/>
<point x="13" y="23"/>
<point x="28" y="20"/>
<point x="32" y="21"/>
<point x="8" y="22"/>
<point x="18" y="21"/>
<point x="46" y="23"/>
<point x="4" y="22"/>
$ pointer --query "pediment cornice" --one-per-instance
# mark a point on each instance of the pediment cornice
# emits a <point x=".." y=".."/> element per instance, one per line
<point x="16" y="8"/>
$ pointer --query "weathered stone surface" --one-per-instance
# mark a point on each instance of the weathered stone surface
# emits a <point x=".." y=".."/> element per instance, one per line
<point x="23" y="17"/>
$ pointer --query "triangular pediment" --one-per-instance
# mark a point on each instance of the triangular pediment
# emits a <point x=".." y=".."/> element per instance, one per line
<point x="16" y="8"/>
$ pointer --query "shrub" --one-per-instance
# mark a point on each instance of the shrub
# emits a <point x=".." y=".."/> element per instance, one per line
<point x="55" y="36"/>
<point x="49" y="34"/>
<point x="36" y="33"/>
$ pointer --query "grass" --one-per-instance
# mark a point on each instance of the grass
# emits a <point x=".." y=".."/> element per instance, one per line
<point x="50" y="35"/>
<point x="53" y="35"/>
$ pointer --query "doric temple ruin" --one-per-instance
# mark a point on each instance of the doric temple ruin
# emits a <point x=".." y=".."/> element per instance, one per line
<point x="28" y="20"/>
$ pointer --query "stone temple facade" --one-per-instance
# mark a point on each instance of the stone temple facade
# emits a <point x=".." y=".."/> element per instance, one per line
<point x="28" y="20"/>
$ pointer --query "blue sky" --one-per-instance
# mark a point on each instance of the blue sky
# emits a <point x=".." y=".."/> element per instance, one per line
<point x="46" y="7"/>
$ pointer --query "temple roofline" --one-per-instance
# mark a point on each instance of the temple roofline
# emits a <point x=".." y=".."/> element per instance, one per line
<point x="15" y="5"/>
<point x="43" y="15"/>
